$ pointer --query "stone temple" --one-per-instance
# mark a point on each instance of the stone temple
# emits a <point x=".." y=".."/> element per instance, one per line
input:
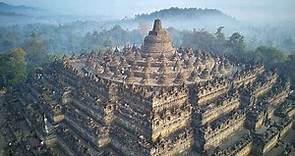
<point x="156" y="100"/>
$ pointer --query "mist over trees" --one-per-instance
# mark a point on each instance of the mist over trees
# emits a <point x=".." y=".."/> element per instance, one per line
<point x="113" y="37"/>
<point x="66" y="35"/>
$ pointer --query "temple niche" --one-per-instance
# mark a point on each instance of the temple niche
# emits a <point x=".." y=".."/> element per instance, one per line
<point x="158" y="100"/>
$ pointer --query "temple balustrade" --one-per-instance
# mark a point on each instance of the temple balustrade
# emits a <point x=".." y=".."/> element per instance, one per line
<point x="223" y="123"/>
<point x="48" y="101"/>
<point x="222" y="105"/>
<point x="178" y="143"/>
<point x="266" y="85"/>
<point x="211" y="90"/>
<point x="33" y="114"/>
<point x="83" y="130"/>
<point x="255" y="119"/>
<point x="130" y="120"/>
<point x="78" y="144"/>
<point x="264" y="142"/>
<point x="125" y="108"/>
<point x="68" y="79"/>
<point x="284" y="125"/>
<point x="241" y="148"/>
<point x="222" y="129"/>
<point x="169" y="121"/>
<point x="169" y="98"/>
<point x="247" y="75"/>
<point x="278" y="93"/>
<point x="287" y="109"/>
<point x="136" y="103"/>
<point x="129" y="143"/>
<point x="87" y="123"/>
<point x="260" y="86"/>
<point x="131" y="125"/>
<point x="94" y="112"/>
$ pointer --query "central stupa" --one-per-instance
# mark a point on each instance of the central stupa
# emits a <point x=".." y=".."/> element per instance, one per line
<point x="158" y="42"/>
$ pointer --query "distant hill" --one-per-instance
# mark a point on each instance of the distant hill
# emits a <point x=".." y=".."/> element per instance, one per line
<point x="11" y="10"/>
<point x="20" y="15"/>
<point x="185" y="18"/>
<point x="9" y="7"/>
<point x="180" y="13"/>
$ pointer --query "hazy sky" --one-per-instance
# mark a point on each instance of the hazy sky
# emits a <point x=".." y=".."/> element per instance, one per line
<point x="267" y="10"/>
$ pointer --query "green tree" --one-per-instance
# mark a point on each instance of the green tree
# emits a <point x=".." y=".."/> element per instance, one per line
<point x="18" y="66"/>
<point x="202" y="40"/>
<point x="236" y="43"/>
<point x="12" y="67"/>
<point x="37" y="54"/>
<point x="219" y="34"/>
<point x="220" y="40"/>
<point x="288" y="68"/>
<point x="270" y="56"/>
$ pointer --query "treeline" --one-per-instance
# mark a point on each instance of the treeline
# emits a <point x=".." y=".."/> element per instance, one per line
<point x="113" y="37"/>
<point x="274" y="58"/>
<point x="68" y="38"/>
<point x="38" y="44"/>
<point x="280" y="36"/>
<point x="17" y="63"/>
<point x="209" y="42"/>
<point x="235" y="45"/>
